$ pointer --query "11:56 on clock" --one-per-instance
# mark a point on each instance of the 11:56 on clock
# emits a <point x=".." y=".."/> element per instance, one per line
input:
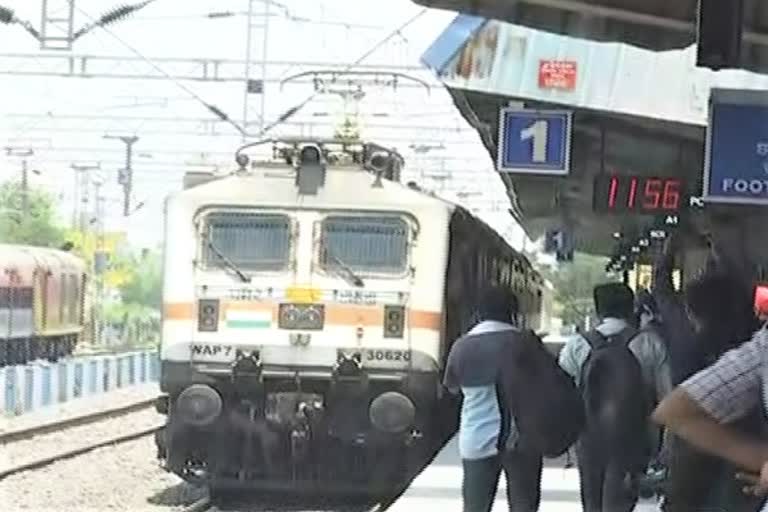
<point x="621" y="193"/>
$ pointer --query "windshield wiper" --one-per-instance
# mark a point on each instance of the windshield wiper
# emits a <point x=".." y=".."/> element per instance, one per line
<point x="229" y="263"/>
<point x="349" y="274"/>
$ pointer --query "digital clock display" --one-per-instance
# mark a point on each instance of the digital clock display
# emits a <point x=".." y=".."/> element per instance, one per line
<point x="620" y="193"/>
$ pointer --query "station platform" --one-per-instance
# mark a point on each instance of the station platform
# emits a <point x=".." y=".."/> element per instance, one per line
<point x="438" y="487"/>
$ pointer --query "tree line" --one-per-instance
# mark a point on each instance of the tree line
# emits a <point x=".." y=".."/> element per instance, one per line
<point x="140" y="285"/>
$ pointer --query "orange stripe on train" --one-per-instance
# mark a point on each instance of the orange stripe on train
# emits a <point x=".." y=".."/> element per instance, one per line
<point x="335" y="314"/>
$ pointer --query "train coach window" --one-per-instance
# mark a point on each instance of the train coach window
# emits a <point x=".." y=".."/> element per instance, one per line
<point x="250" y="241"/>
<point x="22" y="298"/>
<point x="365" y="244"/>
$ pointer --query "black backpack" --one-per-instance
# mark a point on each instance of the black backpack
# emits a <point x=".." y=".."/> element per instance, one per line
<point x="546" y="404"/>
<point x="615" y="396"/>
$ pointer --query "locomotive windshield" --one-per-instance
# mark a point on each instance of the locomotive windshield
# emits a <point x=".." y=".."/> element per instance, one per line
<point x="256" y="242"/>
<point x="365" y="244"/>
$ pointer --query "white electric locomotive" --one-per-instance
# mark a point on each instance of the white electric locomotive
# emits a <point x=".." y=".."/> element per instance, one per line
<point x="309" y="304"/>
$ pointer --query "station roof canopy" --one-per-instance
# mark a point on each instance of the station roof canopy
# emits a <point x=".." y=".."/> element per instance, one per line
<point x="635" y="111"/>
<point x="649" y="24"/>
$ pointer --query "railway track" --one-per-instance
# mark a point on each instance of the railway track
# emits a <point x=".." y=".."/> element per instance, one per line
<point x="67" y="454"/>
<point x="69" y="423"/>
<point x="55" y="426"/>
<point x="38" y="433"/>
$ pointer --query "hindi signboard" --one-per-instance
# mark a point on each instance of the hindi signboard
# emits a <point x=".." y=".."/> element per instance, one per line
<point x="557" y="74"/>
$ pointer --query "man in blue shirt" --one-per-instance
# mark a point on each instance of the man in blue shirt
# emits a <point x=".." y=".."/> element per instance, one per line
<point x="487" y="435"/>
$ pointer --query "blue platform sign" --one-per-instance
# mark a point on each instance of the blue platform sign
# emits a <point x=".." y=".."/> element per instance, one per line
<point x="736" y="159"/>
<point x="534" y="141"/>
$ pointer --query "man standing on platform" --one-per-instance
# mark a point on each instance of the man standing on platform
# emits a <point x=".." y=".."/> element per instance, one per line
<point x="487" y="433"/>
<point x="622" y="373"/>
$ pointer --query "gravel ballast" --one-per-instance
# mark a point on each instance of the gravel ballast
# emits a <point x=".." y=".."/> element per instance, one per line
<point x="54" y="443"/>
<point x="121" y="477"/>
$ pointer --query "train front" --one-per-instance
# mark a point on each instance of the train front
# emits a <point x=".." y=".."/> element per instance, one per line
<point x="300" y="341"/>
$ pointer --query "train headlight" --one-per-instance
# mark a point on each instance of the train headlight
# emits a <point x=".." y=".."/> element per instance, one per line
<point x="392" y="412"/>
<point x="307" y="317"/>
<point x="208" y="315"/>
<point x="394" y="321"/>
<point x="198" y="405"/>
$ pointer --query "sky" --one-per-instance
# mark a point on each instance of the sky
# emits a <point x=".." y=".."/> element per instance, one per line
<point x="64" y="119"/>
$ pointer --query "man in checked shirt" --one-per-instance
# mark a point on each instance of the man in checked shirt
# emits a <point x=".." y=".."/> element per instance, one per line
<point x="702" y="407"/>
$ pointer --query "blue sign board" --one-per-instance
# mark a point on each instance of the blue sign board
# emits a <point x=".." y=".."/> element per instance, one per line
<point x="534" y="141"/>
<point x="736" y="166"/>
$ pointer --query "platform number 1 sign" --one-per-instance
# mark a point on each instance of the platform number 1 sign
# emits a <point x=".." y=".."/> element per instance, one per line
<point x="534" y="141"/>
<point x="537" y="133"/>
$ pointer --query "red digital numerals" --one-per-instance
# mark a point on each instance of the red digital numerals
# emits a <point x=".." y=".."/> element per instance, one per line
<point x="644" y="194"/>
<point x="671" y="197"/>
<point x="652" y="194"/>
<point x="613" y="190"/>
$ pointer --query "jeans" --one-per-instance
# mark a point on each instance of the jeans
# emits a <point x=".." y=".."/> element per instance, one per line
<point x="481" y="479"/>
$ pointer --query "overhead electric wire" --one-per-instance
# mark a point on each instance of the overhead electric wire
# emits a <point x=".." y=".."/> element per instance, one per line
<point x="120" y="13"/>
<point x="8" y="17"/>
<point x="293" y="110"/>
<point x="296" y="108"/>
<point x="211" y="108"/>
<point x="216" y="111"/>
<point x="113" y="15"/>
<point x="223" y="15"/>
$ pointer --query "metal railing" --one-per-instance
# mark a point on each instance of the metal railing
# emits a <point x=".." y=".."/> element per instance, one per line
<point x="42" y="384"/>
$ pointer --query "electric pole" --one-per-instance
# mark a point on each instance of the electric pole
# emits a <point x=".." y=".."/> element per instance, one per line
<point x="100" y="261"/>
<point x="24" y="188"/>
<point x="57" y="28"/>
<point x="80" y="217"/>
<point x="24" y="153"/>
<point x="125" y="176"/>
<point x="256" y="86"/>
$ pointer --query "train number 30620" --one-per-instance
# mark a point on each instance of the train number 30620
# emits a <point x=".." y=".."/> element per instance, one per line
<point x="388" y="355"/>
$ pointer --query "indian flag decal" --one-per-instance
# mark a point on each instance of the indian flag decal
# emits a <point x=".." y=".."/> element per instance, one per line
<point x="237" y="319"/>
